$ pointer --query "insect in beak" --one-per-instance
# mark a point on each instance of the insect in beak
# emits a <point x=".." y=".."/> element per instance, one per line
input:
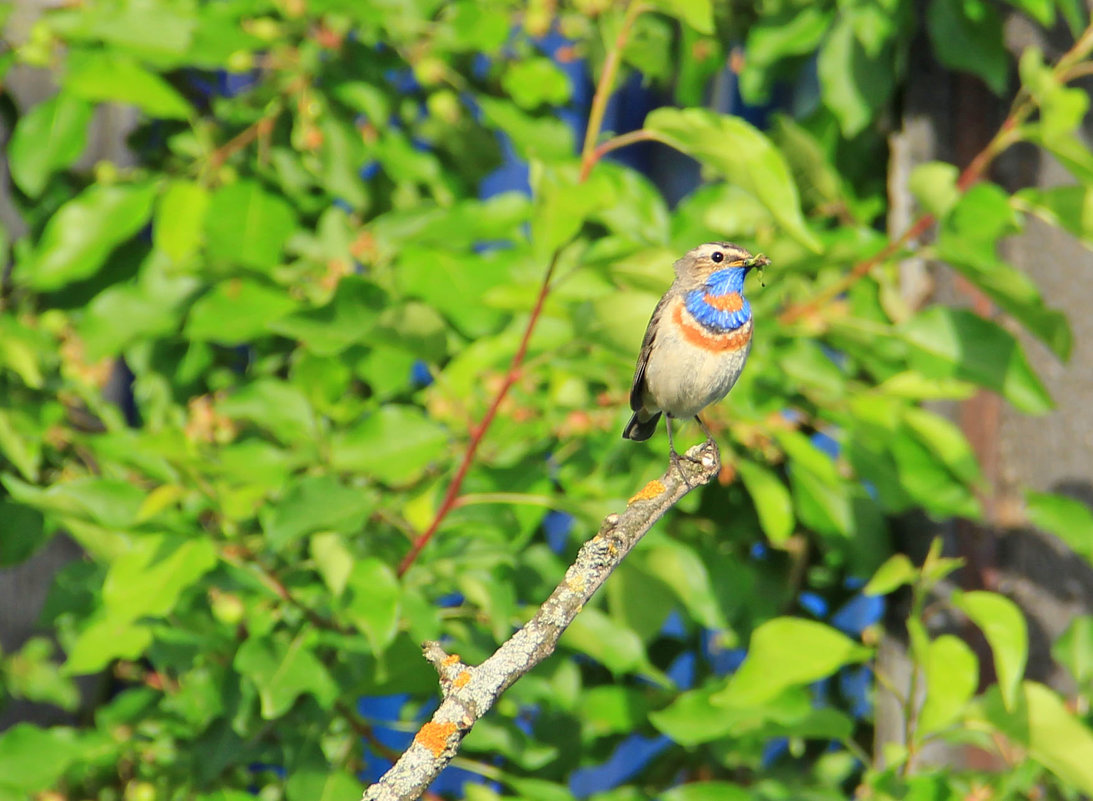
<point x="757" y="261"/>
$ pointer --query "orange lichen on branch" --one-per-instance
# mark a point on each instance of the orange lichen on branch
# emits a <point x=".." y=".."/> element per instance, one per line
<point x="462" y="679"/>
<point x="434" y="736"/>
<point x="649" y="491"/>
<point x="451" y="659"/>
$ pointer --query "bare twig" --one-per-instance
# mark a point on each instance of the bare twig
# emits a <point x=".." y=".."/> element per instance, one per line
<point x="469" y="692"/>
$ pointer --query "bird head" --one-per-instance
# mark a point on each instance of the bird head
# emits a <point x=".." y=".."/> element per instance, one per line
<point x="728" y="261"/>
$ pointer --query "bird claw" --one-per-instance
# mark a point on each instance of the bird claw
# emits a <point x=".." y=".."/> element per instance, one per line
<point x="677" y="463"/>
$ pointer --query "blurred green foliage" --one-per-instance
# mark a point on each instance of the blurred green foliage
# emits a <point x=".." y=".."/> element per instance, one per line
<point x="301" y="235"/>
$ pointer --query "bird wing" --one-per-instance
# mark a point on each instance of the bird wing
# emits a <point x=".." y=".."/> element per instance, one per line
<point x="637" y="389"/>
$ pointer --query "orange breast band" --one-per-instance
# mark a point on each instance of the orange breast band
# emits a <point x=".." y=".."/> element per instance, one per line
<point x="730" y="302"/>
<point x="696" y="335"/>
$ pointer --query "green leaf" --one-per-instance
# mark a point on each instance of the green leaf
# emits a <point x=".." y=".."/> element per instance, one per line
<point x="683" y="570"/>
<point x="20" y="442"/>
<point x="535" y="81"/>
<point x="24" y="532"/>
<point x="1068" y="519"/>
<point x="32" y="759"/>
<point x="283" y="669"/>
<point x="967" y="36"/>
<point x="538" y="789"/>
<point x="692" y="719"/>
<point x="707" y="791"/>
<point x="855" y="85"/>
<point x="955" y="343"/>
<point x="632" y="206"/>
<point x="501" y="739"/>
<point x="696" y="13"/>
<point x="145" y="581"/>
<point x="372" y="601"/>
<point x="534" y="138"/>
<point x="99" y="76"/>
<point x="1043" y="11"/>
<point x="807" y="363"/>
<point x="785" y="652"/>
<point x="276" y="406"/>
<point x="1074" y="650"/>
<point x="312" y="778"/>
<point x="639" y="600"/>
<point x="1004" y="626"/>
<point x="968" y="241"/>
<point x="124" y="313"/>
<point x="952" y="675"/>
<point x="820" y="505"/>
<point x="333" y="559"/>
<point x="495" y="601"/>
<point x="179" y="224"/>
<point x="347" y="319"/>
<point x="812" y="170"/>
<point x="236" y="311"/>
<point x="414" y="327"/>
<point x="1067" y="207"/>
<point x="1075" y="13"/>
<point x="315" y="503"/>
<point x="148" y="579"/>
<point x="160" y="34"/>
<point x="394" y="444"/>
<point x="455" y="283"/>
<point x="21" y="351"/>
<point x="772" y="500"/>
<point x="595" y="634"/>
<point x="49" y="137"/>
<point x="742" y="155"/>
<point x="110" y="502"/>
<point x="32" y="673"/>
<point x="946" y="441"/>
<point x="934" y="186"/>
<point x="895" y="572"/>
<point x="247" y="225"/>
<point x="1039" y="721"/>
<point x="776" y="37"/>
<point x="608" y="710"/>
<point x="82" y="233"/>
<point x="562" y="203"/>
<point x="103" y="640"/>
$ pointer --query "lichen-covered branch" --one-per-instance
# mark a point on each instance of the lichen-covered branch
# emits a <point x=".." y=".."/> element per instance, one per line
<point x="469" y="692"/>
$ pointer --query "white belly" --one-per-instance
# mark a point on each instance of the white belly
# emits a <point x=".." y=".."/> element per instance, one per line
<point x="682" y="379"/>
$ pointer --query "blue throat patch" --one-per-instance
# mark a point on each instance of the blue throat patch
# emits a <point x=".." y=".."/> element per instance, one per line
<point x="723" y="282"/>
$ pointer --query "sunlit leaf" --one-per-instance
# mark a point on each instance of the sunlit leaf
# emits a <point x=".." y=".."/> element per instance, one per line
<point x="1004" y="626"/>
<point x="741" y="154"/>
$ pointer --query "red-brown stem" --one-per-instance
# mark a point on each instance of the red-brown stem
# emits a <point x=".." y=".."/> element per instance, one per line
<point x="604" y="87"/>
<point x="261" y="127"/>
<point x="1008" y="133"/>
<point x="971" y="174"/>
<point x="589" y="156"/>
<point x="859" y="271"/>
<point x="479" y="431"/>
<point x="622" y="140"/>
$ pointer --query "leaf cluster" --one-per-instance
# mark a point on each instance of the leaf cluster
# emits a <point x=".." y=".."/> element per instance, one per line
<point x="312" y="298"/>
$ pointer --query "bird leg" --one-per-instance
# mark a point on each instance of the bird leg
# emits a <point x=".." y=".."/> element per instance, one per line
<point x="675" y="456"/>
<point x="706" y="431"/>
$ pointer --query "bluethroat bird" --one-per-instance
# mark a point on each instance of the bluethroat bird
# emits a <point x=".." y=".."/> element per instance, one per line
<point x="697" y="341"/>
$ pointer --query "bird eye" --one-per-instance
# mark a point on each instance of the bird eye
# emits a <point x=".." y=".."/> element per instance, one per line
<point x="718" y="257"/>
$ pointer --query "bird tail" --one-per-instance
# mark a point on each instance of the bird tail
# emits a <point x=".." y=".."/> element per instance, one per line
<point x="641" y="426"/>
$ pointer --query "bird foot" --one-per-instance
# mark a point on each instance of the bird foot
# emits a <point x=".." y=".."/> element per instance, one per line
<point x="677" y="463"/>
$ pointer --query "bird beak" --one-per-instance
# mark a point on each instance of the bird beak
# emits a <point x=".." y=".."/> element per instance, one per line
<point x="758" y="260"/>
